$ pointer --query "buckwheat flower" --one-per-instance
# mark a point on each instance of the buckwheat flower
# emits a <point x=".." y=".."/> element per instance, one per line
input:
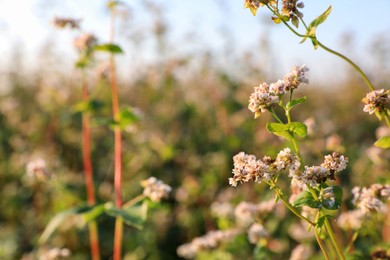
<point x="301" y="252"/>
<point x="155" y="189"/>
<point x="246" y="168"/>
<point x="209" y="241"/>
<point x="335" y="162"/>
<point x="265" y="207"/>
<point x="285" y="159"/>
<point x="367" y="200"/>
<point x="350" y="220"/>
<point x="56" y="253"/>
<point x="256" y="232"/>
<point x="85" y="42"/>
<point x="253" y="5"/>
<point x="296" y="77"/>
<point x="262" y="99"/>
<point x="277" y="87"/>
<point x="61" y="22"/>
<point x="377" y="101"/>
<point x="313" y="175"/>
<point x="222" y="209"/>
<point x="245" y="213"/>
<point x="37" y="169"/>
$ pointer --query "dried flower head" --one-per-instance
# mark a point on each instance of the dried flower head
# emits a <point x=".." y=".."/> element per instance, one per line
<point x="155" y="189"/>
<point x="85" y="42"/>
<point x="253" y="5"/>
<point x="61" y="22"/>
<point x="290" y="10"/>
<point x="377" y="101"/>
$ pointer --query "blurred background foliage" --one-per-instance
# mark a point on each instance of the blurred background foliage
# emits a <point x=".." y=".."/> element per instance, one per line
<point x="194" y="118"/>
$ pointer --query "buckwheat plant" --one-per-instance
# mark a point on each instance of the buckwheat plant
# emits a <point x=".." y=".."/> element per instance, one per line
<point x="289" y="13"/>
<point x="313" y="185"/>
<point x="134" y="211"/>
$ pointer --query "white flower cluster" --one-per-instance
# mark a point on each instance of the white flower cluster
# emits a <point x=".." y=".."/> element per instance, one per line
<point x="315" y="175"/>
<point x="155" y="189"/>
<point x="370" y="199"/>
<point x="247" y="167"/>
<point x="209" y="241"/>
<point x="37" y="169"/>
<point x="266" y="97"/>
<point x="56" y="253"/>
<point x="377" y="101"/>
<point x="246" y="213"/>
<point x="350" y="220"/>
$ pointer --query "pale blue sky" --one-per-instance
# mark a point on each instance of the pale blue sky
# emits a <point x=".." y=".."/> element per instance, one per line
<point x="28" y="22"/>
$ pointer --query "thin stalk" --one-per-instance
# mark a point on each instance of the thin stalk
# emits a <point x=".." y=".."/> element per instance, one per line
<point x="88" y="172"/>
<point x="289" y="206"/>
<point x="333" y="239"/>
<point x="322" y="247"/>
<point x="350" y="62"/>
<point x="353" y="239"/>
<point x="387" y="120"/>
<point x="118" y="235"/>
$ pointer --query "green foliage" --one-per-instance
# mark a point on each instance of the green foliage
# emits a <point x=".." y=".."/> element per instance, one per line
<point x="109" y="47"/>
<point x="383" y="142"/>
<point x="312" y="28"/>
<point x="289" y="130"/>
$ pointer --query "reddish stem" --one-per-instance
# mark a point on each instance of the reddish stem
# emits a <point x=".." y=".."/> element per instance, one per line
<point x="118" y="235"/>
<point x="93" y="231"/>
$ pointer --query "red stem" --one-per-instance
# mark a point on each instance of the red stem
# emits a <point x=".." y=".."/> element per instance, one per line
<point x="86" y="136"/>
<point x="118" y="235"/>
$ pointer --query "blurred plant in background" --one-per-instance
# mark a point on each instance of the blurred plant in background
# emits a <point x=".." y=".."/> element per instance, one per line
<point x="194" y="119"/>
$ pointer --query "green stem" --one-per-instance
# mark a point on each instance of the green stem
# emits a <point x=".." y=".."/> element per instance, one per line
<point x="387" y="120"/>
<point x="322" y="247"/>
<point x="356" y="67"/>
<point x="289" y="206"/>
<point x="353" y="239"/>
<point x="276" y="116"/>
<point x="333" y="239"/>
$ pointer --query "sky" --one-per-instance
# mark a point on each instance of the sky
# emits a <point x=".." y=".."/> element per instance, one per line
<point x="27" y="23"/>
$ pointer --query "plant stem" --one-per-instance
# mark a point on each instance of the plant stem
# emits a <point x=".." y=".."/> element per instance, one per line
<point x="118" y="236"/>
<point x="288" y="205"/>
<point x="356" y="67"/>
<point x="333" y="239"/>
<point x="353" y="239"/>
<point x="86" y="136"/>
<point x="322" y="247"/>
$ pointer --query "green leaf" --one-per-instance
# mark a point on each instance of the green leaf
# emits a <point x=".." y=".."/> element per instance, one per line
<point x="90" y="105"/>
<point x="109" y="47"/>
<point x="295" y="102"/>
<point x="321" y="221"/>
<point x="306" y="199"/>
<point x="93" y="213"/>
<point x="127" y="116"/>
<point x="298" y="128"/>
<point x="134" y="215"/>
<point x="383" y="142"/>
<point x="58" y="219"/>
<point x="312" y="28"/>
<point x="280" y="130"/>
